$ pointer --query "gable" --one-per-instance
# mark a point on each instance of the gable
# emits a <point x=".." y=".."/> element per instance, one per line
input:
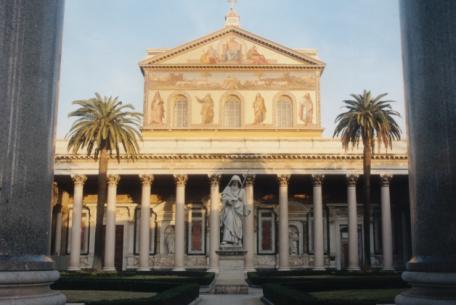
<point x="231" y="46"/>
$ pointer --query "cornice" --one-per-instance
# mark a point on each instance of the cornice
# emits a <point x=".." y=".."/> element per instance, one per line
<point x="240" y="156"/>
<point x="186" y="67"/>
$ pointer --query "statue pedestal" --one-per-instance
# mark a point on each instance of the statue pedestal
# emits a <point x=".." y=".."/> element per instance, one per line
<point x="231" y="278"/>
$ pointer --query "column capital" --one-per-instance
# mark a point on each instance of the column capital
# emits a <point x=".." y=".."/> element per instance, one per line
<point x="317" y="180"/>
<point x="146" y="179"/>
<point x="79" y="179"/>
<point x="113" y="179"/>
<point x="214" y="179"/>
<point x="351" y="180"/>
<point x="283" y="180"/>
<point x="249" y="179"/>
<point x="385" y="179"/>
<point x="180" y="180"/>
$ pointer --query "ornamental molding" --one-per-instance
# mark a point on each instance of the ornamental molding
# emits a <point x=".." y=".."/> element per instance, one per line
<point x="146" y="179"/>
<point x="386" y="179"/>
<point x="215" y="180"/>
<point x="238" y="156"/>
<point x="113" y="179"/>
<point x="249" y="180"/>
<point x="351" y="180"/>
<point x="283" y="180"/>
<point x="79" y="179"/>
<point x="180" y="180"/>
<point x="317" y="180"/>
<point x="228" y="67"/>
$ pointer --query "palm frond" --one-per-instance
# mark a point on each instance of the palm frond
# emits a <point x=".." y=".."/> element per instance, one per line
<point x="104" y="123"/>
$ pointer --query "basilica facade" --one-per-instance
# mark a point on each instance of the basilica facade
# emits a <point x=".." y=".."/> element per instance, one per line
<point x="232" y="103"/>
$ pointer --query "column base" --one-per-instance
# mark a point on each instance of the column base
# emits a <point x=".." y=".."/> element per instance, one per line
<point x="389" y="269"/>
<point x="179" y="269"/>
<point x="109" y="269"/>
<point x="249" y="269"/>
<point x="284" y="269"/>
<point x="143" y="269"/>
<point x="354" y="268"/>
<point x="428" y="288"/>
<point x="319" y="269"/>
<point x="74" y="268"/>
<point x="212" y="269"/>
<point x="28" y="287"/>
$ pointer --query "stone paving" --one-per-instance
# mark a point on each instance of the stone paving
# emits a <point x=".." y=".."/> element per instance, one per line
<point x="253" y="298"/>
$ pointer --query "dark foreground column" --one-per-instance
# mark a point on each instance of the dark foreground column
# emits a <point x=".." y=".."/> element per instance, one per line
<point x="30" y="47"/>
<point x="429" y="54"/>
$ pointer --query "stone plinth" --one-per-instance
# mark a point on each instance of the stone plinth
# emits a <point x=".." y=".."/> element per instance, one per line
<point x="231" y="277"/>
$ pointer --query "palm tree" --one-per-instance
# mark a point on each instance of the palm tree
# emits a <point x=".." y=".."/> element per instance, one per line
<point x="368" y="119"/>
<point x="103" y="125"/>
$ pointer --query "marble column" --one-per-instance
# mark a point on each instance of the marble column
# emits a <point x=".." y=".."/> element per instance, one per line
<point x="144" y="231"/>
<point x="387" y="236"/>
<point x="30" y="49"/>
<point x="110" y="233"/>
<point x="249" y="244"/>
<point x="319" y="261"/>
<point x="283" y="222"/>
<point x="179" y="264"/>
<point x="214" y="223"/>
<point x="429" y="65"/>
<point x="75" y="250"/>
<point x="353" y="258"/>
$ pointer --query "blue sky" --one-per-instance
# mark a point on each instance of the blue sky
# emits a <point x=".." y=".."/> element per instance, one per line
<point x="105" y="39"/>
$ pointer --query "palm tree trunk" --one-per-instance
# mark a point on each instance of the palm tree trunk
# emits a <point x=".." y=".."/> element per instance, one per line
<point x="101" y="200"/>
<point x="367" y="155"/>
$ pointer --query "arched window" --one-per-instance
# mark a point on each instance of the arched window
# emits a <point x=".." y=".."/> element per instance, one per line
<point x="180" y="118"/>
<point x="284" y="113"/>
<point x="232" y="112"/>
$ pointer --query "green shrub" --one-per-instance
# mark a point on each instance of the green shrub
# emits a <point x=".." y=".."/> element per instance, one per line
<point x="310" y="281"/>
<point x="179" y="295"/>
<point x="282" y="295"/>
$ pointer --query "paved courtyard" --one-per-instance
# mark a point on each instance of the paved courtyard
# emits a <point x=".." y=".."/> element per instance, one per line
<point x="253" y="298"/>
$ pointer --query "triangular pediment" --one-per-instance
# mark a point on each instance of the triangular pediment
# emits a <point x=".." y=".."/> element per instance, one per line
<point x="231" y="46"/>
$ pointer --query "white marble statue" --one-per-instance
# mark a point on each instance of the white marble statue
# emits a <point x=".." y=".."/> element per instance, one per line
<point x="233" y="212"/>
<point x="169" y="239"/>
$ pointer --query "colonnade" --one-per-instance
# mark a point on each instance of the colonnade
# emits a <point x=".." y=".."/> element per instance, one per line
<point x="214" y="223"/>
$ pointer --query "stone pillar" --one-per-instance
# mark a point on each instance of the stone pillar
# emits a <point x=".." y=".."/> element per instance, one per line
<point x="353" y="259"/>
<point x="75" y="250"/>
<point x="179" y="264"/>
<point x="30" y="48"/>
<point x="429" y="61"/>
<point x="283" y="222"/>
<point x="110" y="233"/>
<point x="144" y="232"/>
<point x="387" y="236"/>
<point x="319" y="262"/>
<point x="214" y="223"/>
<point x="249" y="244"/>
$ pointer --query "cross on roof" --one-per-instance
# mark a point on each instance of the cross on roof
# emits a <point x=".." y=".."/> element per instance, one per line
<point x="232" y="3"/>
